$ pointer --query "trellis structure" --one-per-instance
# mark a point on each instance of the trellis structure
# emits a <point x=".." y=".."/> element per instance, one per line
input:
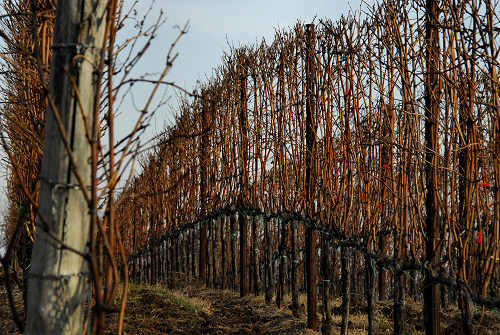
<point x="381" y="132"/>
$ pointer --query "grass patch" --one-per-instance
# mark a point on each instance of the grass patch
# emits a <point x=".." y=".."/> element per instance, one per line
<point x="194" y="305"/>
<point x="157" y="310"/>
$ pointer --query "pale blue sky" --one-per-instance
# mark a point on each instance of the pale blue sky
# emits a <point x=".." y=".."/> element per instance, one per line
<point x="214" y="24"/>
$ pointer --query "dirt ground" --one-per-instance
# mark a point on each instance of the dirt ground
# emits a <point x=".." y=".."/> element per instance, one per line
<point x="190" y="310"/>
<point x="7" y="325"/>
<point x="195" y="310"/>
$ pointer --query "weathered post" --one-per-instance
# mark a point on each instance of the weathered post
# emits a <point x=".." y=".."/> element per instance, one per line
<point x="312" y="317"/>
<point x="325" y="247"/>
<point x="295" y="299"/>
<point x="232" y="228"/>
<point x="58" y="282"/>
<point x="223" y="253"/>
<point x="432" y="98"/>
<point x="267" y="264"/>
<point x="243" y="220"/>
<point x="255" y="280"/>
<point x="203" y="186"/>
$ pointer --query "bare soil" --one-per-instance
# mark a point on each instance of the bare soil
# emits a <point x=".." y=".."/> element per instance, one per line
<point x="191" y="309"/>
<point x="197" y="310"/>
<point x="7" y="325"/>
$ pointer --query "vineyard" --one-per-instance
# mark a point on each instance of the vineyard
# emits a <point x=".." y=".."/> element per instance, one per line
<point x="342" y="152"/>
<point x="355" y="157"/>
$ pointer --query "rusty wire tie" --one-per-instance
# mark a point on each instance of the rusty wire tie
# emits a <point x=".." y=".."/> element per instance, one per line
<point x="56" y="186"/>
<point x="65" y="277"/>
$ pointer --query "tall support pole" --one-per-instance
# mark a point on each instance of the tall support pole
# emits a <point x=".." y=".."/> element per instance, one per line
<point x="267" y="265"/>
<point x="281" y="265"/>
<point x="58" y="281"/>
<point x="255" y="278"/>
<point x="369" y="292"/>
<point x="346" y="264"/>
<point x="326" y="326"/>
<point x="223" y="253"/>
<point x="243" y="220"/>
<point x="193" y="253"/>
<point x="311" y="269"/>
<point x="232" y="229"/>
<point x="465" y="164"/>
<point x="386" y="163"/>
<point x="432" y="97"/>
<point x="202" y="271"/>
<point x="295" y="299"/>
<point x="495" y="108"/>
<point x="214" y="252"/>
<point x="209" y="262"/>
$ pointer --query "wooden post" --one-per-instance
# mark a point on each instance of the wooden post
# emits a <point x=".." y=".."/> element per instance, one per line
<point x="370" y="292"/>
<point x="385" y="168"/>
<point x="346" y="288"/>
<point x="176" y="258"/>
<point x="243" y="220"/>
<point x="267" y="266"/>
<point x="58" y="283"/>
<point x="193" y="253"/>
<point x="281" y="259"/>
<point x="164" y="261"/>
<point x="432" y="98"/>
<point x="326" y="327"/>
<point x="171" y="266"/>
<point x="185" y="253"/>
<point x="223" y="253"/>
<point x="154" y="273"/>
<point x="255" y="280"/>
<point x="295" y="299"/>
<point x="203" y="185"/>
<point x="495" y="109"/>
<point x="243" y="255"/>
<point x="312" y="317"/>
<point x="232" y="228"/>
<point x="214" y="253"/>
<point x="207" y="254"/>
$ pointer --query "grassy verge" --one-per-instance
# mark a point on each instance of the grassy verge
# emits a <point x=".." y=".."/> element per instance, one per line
<point x="156" y="310"/>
